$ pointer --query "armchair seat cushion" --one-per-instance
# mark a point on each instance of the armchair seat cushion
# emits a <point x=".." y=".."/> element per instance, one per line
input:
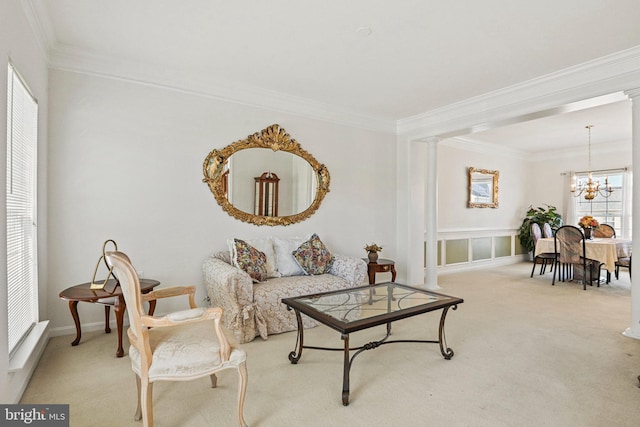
<point x="181" y="351"/>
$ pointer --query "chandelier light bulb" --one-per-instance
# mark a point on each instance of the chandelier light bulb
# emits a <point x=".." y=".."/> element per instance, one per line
<point x="591" y="188"/>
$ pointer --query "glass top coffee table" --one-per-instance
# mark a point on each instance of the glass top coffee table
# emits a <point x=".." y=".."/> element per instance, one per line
<point x="355" y="309"/>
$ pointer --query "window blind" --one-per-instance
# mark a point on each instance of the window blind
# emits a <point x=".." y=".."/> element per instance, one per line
<point x="22" y="136"/>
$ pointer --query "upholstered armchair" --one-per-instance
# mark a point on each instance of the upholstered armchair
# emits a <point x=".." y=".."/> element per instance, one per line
<point x="179" y="346"/>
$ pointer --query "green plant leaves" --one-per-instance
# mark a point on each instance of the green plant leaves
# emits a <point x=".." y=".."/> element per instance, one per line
<point x="539" y="215"/>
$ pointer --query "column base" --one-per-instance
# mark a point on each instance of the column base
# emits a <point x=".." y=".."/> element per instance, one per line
<point x="629" y="333"/>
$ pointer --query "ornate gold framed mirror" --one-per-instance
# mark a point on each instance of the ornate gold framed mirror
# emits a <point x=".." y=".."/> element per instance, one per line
<point x="234" y="172"/>
<point x="483" y="188"/>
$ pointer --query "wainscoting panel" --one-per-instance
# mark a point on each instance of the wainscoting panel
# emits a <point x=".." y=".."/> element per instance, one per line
<point x="481" y="248"/>
<point x="469" y="249"/>
<point x="503" y="246"/>
<point x="457" y="251"/>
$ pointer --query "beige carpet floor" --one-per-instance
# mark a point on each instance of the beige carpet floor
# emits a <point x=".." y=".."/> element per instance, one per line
<point x="526" y="354"/>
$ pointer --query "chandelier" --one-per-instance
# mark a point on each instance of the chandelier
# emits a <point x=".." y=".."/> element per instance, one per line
<point x="591" y="188"/>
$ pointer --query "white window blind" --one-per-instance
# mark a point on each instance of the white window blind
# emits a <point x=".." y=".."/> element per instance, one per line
<point x="22" y="136"/>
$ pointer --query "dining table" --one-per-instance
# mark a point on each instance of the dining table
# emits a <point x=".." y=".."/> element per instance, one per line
<point x="606" y="250"/>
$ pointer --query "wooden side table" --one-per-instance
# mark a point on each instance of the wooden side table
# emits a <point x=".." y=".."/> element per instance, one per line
<point x="110" y="295"/>
<point x="380" y="266"/>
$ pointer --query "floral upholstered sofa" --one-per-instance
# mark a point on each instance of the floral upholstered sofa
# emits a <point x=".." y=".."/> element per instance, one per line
<point x="250" y="280"/>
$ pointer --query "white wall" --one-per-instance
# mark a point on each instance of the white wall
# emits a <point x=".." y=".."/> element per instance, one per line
<point x="536" y="180"/>
<point x="524" y="181"/>
<point x="454" y="159"/>
<point x="125" y="162"/>
<point x="18" y="43"/>
<point x="550" y="186"/>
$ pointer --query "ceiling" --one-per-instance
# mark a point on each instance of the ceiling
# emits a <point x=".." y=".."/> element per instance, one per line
<point x="380" y="59"/>
<point x="610" y="118"/>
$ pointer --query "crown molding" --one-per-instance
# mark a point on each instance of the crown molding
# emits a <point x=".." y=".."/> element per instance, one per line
<point x="617" y="72"/>
<point x="469" y="144"/>
<point x="600" y="78"/>
<point x="606" y="148"/>
<point x="38" y="17"/>
<point x="68" y="58"/>
<point x="72" y="59"/>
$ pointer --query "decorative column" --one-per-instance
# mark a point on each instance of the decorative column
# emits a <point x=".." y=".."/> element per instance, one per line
<point x="417" y="152"/>
<point x="633" y="331"/>
<point x="431" y="215"/>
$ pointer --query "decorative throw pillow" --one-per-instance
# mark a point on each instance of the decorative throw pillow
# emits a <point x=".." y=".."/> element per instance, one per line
<point x="264" y="245"/>
<point x="287" y="265"/>
<point x="251" y="260"/>
<point x="313" y="256"/>
<point x="224" y="256"/>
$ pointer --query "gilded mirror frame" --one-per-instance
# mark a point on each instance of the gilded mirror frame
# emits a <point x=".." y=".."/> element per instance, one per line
<point x="277" y="139"/>
<point x="494" y="190"/>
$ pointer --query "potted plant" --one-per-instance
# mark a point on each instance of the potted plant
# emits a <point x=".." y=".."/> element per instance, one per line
<point x="372" y="251"/>
<point x="539" y="216"/>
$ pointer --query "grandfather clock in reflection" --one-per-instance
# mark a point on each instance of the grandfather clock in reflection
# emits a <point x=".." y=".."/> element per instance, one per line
<point x="266" y="194"/>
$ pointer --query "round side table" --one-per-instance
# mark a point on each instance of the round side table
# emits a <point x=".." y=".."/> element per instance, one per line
<point x="110" y="295"/>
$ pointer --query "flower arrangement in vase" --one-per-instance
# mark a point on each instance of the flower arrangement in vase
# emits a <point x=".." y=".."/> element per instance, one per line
<point x="373" y="250"/>
<point x="588" y="223"/>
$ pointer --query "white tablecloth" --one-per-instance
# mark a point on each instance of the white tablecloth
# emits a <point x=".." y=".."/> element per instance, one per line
<point x="607" y="251"/>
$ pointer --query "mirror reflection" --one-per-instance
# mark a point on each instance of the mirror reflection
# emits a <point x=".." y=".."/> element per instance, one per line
<point x="266" y="179"/>
<point x="291" y="192"/>
<point x="483" y="188"/>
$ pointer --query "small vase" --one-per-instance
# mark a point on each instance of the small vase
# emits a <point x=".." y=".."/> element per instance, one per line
<point x="373" y="256"/>
<point x="588" y="234"/>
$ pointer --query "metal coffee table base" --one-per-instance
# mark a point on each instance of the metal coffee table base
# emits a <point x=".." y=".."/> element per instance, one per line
<point x="295" y="355"/>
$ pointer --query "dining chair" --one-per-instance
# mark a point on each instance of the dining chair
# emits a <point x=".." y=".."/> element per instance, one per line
<point x="179" y="346"/>
<point x="623" y="262"/>
<point x="604" y="231"/>
<point x="543" y="259"/>
<point x="569" y="244"/>
<point x="547" y="232"/>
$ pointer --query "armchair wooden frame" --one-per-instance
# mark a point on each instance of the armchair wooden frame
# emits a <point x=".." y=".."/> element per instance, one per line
<point x="145" y="336"/>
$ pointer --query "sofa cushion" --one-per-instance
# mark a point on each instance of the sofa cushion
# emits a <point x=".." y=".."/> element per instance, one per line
<point x="251" y="260"/>
<point x="268" y="297"/>
<point x="287" y="265"/>
<point x="313" y="256"/>
<point x="263" y="245"/>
